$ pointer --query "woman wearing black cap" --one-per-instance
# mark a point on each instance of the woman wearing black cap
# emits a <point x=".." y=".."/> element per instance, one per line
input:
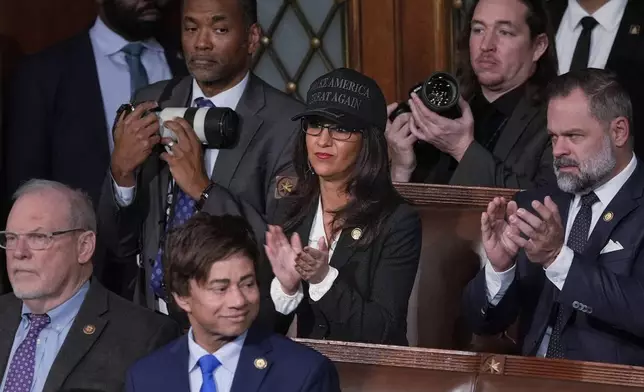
<point x="348" y="260"/>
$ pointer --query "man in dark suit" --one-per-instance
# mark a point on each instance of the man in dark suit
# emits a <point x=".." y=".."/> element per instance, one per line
<point x="212" y="268"/>
<point x="63" y="100"/>
<point x="506" y="58"/>
<point x="604" y="34"/>
<point x="61" y="329"/>
<point x="219" y="38"/>
<point x="568" y="260"/>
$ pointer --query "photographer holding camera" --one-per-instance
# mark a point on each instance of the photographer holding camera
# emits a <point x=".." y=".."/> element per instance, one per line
<point x="500" y="139"/>
<point x="161" y="174"/>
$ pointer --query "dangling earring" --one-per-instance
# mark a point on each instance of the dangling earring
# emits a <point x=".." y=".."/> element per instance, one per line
<point x="310" y="168"/>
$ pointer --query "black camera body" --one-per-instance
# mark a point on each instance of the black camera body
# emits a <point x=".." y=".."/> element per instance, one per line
<point x="440" y="94"/>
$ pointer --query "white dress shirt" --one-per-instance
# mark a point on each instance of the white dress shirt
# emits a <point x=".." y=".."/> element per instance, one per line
<point x="113" y="72"/>
<point x="608" y="17"/>
<point x="286" y="304"/>
<point x="228" y="356"/>
<point x="227" y="99"/>
<point x="498" y="283"/>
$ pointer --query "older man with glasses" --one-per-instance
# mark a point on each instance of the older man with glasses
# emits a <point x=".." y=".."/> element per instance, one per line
<point x="60" y="329"/>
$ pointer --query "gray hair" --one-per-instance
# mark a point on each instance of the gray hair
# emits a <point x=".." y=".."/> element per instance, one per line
<point x="81" y="209"/>
<point x="607" y="98"/>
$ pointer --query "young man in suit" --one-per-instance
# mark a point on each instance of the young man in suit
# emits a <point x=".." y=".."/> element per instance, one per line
<point x="568" y="260"/>
<point x="219" y="38"/>
<point x="506" y="59"/>
<point x="212" y="266"/>
<point x="60" y="329"/>
<point x="606" y="34"/>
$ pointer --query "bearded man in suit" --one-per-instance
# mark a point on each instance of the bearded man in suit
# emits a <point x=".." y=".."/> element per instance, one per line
<point x="567" y="259"/>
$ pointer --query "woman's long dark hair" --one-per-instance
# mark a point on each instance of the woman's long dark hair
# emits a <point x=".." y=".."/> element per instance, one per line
<point x="372" y="196"/>
<point x="538" y="21"/>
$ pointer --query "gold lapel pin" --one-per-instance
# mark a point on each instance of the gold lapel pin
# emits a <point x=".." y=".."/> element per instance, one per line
<point x="356" y="233"/>
<point x="260" y="363"/>
<point x="634" y="30"/>
<point x="608" y="216"/>
<point x="89" y="329"/>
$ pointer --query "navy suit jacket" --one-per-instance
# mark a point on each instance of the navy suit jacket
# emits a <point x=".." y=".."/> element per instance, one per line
<point x="603" y="294"/>
<point x="290" y="367"/>
<point x="55" y="118"/>
<point x="55" y="129"/>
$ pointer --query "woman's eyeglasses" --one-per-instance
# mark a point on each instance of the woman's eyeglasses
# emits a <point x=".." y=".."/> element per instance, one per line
<point x="315" y="128"/>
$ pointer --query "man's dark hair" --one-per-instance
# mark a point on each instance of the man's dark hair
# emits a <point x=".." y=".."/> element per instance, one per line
<point x="538" y="23"/>
<point x="249" y="9"/>
<point x="607" y="99"/>
<point x="192" y="249"/>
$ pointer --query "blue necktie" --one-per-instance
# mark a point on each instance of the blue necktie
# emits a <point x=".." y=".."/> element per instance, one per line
<point x="208" y="364"/>
<point x="184" y="209"/>
<point x="577" y="240"/>
<point x="23" y="364"/>
<point x="138" y="75"/>
<point x="202" y="102"/>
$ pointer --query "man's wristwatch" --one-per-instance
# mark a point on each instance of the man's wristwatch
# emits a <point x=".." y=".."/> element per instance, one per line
<point x="204" y="196"/>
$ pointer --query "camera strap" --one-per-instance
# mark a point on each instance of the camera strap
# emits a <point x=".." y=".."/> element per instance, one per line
<point x="168" y="210"/>
<point x="171" y="193"/>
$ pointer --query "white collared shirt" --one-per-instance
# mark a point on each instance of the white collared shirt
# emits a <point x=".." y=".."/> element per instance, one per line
<point x="229" y="98"/>
<point x="226" y="99"/>
<point x="608" y="17"/>
<point x="286" y="304"/>
<point x="113" y="72"/>
<point x="228" y="355"/>
<point x="499" y="283"/>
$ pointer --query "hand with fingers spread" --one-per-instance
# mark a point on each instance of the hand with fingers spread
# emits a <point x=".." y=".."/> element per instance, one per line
<point x="134" y="138"/>
<point x="186" y="158"/>
<point x="313" y="264"/>
<point x="282" y="255"/>
<point x="453" y="137"/>
<point x="495" y="232"/>
<point x="401" y="145"/>
<point x="545" y="231"/>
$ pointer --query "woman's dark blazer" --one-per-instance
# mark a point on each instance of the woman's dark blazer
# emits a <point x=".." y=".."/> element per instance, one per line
<point x="369" y="299"/>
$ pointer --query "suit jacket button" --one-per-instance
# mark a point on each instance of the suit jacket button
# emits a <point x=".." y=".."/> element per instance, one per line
<point x="483" y="312"/>
<point x="576" y="305"/>
<point x="589" y="309"/>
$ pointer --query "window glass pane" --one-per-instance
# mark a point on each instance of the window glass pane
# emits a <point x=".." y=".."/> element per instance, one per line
<point x="267" y="70"/>
<point x="333" y="40"/>
<point x="315" y="69"/>
<point x="287" y="25"/>
<point x="316" y="11"/>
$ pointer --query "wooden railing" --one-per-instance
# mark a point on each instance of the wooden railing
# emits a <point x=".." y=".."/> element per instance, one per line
<point x="529" y="368"/>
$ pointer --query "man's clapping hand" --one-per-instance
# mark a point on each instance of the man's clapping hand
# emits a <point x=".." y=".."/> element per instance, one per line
<point x="544" y="231"/>
<point x="496" y="234"/>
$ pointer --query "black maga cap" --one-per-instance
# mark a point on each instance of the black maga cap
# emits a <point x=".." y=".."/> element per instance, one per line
<point x="347" y="98"/>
